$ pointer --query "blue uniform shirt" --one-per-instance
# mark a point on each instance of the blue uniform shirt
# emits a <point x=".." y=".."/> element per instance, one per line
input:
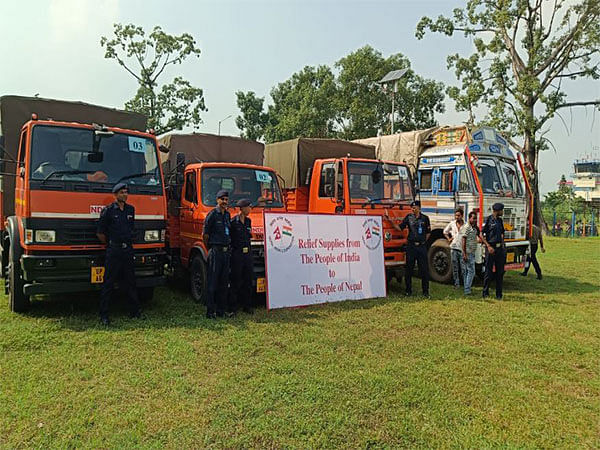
<point x="217" y="225"/>
<point x="116" y="224"/>
<point x="241" y="232"/>
<point x="418" y="227"/>
<point x="493" y="230"/>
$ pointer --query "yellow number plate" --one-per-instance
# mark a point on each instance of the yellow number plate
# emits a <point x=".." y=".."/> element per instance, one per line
<point x="97" y="275"/>
<point x="260" y="285"/>
<point x="510" y="257"/>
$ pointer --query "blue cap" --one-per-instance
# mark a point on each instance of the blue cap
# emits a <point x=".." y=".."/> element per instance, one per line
<point x="416" y="203"/>
<point x="498" y="206"/>
<point x="118" y="187"/>
<point x="222" y="193"/>
<point x="243" y="202"/>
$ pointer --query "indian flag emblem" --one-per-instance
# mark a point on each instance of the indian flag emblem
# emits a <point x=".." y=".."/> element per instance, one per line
<point x="371" y="233"/>
<point x="281" y="236"/>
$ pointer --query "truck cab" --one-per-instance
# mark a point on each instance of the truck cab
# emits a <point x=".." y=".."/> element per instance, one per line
<point x="329" y="176"/>
<point x="358" y="186"/>
<point x="192" y="196"/>
<point x="65" y="172"/>
<point x="473" y="172"/>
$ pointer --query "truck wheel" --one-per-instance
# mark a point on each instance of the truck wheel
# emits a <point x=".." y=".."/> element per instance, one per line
<point x="440" y="262"/>
<point x="198" y="279"/>
<point x="17" y="300"/>
<point x="145" y="294"/>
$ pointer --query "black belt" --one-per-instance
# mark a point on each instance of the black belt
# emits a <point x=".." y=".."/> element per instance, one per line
<point x="119" y="244"/>
<point x="497" y="244"/>
<point x="416" y="244"/>
<point x="221" y="248"/>
<point x="241" y="249"/>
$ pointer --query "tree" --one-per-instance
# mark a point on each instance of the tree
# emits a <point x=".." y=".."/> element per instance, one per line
<point x="253" y="120"/>
<point x="526" y="52"/>
<point x="174" y="105"/>
<point x="303" y="105"/>
<point x="564" y="200"/>
<point x="364" y="106"/>
<point x="316" y="103"/>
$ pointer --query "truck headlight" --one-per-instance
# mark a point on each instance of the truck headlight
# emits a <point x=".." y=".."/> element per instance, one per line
<point x="45" y="236"/>
<point x="151" y="235"/>
<point x="28" y="236"/>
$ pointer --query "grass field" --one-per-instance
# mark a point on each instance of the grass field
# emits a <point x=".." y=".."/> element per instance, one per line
<point x="394" y="372"/>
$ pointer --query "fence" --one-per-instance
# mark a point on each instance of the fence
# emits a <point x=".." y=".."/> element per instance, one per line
<point x="560" y="223"/>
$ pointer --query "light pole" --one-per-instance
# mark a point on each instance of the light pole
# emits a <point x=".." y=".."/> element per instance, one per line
<point x="392" y="78"/>
<point x="223" y="120"/>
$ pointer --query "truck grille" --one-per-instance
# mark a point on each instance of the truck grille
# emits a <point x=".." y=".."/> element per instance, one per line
<point x="79" y="235"/>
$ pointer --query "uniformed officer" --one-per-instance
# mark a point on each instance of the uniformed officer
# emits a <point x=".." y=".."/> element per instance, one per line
<point x="492" y="235"/>
<point x="116" y="230"/>
<point x="419" y="230"/>
<point x="216" y="237"/>
<point x="242" y="268"/>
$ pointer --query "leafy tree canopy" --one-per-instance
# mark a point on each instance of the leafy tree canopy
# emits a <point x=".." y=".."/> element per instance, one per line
<point x="344" y="101"/>
<point x="146" y="57"/>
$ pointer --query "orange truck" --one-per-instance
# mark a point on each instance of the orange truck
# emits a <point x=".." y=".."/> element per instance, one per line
<point x="196" y="167"/>
<point x="331" y="176"/>
<point x="60" y="161"/>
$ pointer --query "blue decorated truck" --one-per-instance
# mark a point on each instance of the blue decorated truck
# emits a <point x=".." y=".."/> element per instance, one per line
<point x="455" y="167"/>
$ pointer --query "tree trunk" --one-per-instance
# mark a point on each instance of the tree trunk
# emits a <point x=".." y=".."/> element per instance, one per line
<point x="531" y="152"/>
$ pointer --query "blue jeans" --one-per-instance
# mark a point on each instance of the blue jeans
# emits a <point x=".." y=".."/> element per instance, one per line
<point x="457" y="266"/>
<point x="469" y="272"/>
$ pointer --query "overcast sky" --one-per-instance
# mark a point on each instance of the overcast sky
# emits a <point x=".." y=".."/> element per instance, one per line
<point x="51" y="48"/>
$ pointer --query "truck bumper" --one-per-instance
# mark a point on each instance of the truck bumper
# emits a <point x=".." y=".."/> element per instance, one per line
<point x="54" y="274"/>
<point x="516" y="252"/>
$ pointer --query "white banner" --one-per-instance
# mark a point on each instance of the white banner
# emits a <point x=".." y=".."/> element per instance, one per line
<point x="317" y="258"/>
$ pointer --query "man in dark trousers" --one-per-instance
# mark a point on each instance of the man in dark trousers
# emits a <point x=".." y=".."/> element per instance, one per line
<point x="419" y="230"/>
<point x="536" y="236"/>
<point x="116" y="230"/>
<point x="492" y="235"/>
<point x="216" y="237"/>
<point x="242" y="268"/>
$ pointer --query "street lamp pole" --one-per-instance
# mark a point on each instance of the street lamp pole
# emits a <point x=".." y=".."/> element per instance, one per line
<point x="391" y="79"/>
<point x="223" y="120"/>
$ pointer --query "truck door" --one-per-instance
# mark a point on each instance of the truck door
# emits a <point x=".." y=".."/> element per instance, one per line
<point x="325" y="199"/>
<point x="189" y="202"/>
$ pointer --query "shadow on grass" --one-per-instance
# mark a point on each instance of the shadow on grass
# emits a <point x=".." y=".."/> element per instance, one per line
<point x="172" y="306"/>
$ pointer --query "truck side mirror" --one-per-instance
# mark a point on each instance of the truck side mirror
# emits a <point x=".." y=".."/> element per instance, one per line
<point x="308" y="176"/>
<point x="180" y="167"/>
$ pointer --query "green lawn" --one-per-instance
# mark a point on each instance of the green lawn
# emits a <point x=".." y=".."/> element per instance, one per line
<point x="393" y="372"/>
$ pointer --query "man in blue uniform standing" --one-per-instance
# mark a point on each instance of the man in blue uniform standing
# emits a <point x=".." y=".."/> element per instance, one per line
<point x="116" y="230"/>
<point x="217" y="239"/>
<point x="492" y="235"/>
<point x="242" y="268"/>
<point x="419" y="229"/>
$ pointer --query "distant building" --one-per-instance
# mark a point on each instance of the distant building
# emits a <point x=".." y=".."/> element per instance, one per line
<point x="586" y="180"/>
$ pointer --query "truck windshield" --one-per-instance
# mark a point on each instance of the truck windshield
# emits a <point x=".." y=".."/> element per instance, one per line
<point x="499" y="177"/>
<point x="372" y="181"/>
<point x="64" y="156"/>
<point x="259" y="186"/>
<point x="512" y="181"/>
